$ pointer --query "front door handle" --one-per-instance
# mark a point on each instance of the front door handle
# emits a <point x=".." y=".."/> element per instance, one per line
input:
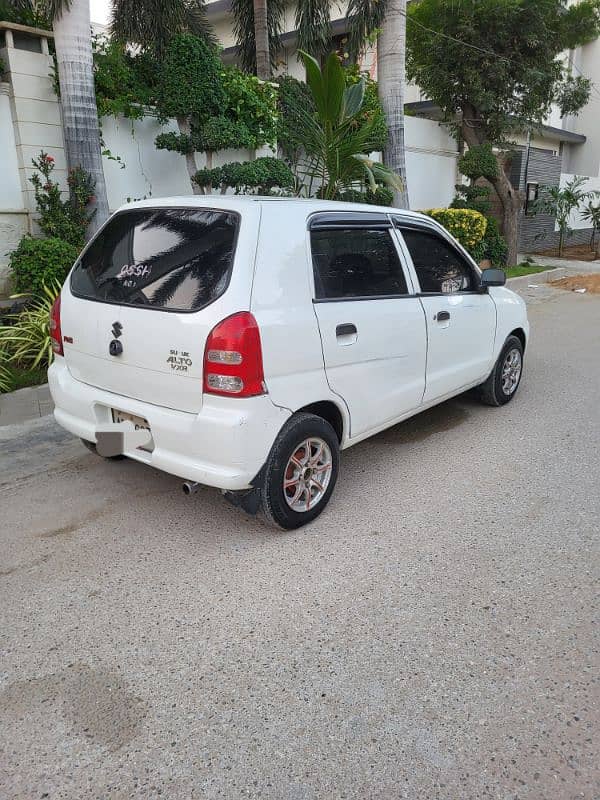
<point x="347" y="329"/>
<point x="442" y="316"/>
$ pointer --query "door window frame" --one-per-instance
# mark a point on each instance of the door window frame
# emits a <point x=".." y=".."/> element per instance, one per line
<point x="359" y="220"/>
<point x="431" y="227"/>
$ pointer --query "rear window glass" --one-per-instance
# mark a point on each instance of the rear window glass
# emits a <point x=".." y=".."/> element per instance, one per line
<point x="170" y="258"/>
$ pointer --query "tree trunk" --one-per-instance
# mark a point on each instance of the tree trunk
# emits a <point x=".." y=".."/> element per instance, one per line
<point x="81" y="129"/>
<point x="185" y="128"/>
<point x="510" y="199"/>
<point x="261" y="40"/>
<point x="391" y="53"/>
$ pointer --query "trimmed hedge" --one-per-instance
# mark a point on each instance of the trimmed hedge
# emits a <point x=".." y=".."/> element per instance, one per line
<point x="248" y="177"/>
<point x="41" y="262"/>
<point x="466" y="225"/>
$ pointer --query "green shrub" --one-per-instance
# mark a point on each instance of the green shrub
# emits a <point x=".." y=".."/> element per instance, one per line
<point x="464" y="224"/>
<point x="293" y="99"/>
<point x="382" y="196"/>
<point x="252" y="105"/>
<point x="495" y="248"/>
<point x="260" y="176"/>
<point x="190" y="79"/>
<point x="479" y="162"/>
<point x="63" y="219"/>
<point x="371" y="108"/>
<point x="40" y="262"/>
<point x="26" y="340"/>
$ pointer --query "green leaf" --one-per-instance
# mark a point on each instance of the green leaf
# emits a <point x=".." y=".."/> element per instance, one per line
<point x="353" y="99"/>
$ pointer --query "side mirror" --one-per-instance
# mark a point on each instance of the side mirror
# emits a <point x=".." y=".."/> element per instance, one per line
<point x="492" y="277"/>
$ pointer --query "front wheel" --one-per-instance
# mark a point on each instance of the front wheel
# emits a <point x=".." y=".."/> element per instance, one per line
<point x="301" y="472"/>
<point x="503" y="381"/>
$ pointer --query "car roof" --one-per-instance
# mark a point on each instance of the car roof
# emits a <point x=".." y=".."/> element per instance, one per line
<point x="233" y="202"/>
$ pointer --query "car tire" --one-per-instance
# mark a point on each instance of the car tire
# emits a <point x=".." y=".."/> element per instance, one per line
<point x="503" y="381"/>
<point x="91" y="446"/>
<point x="301" y="472"/>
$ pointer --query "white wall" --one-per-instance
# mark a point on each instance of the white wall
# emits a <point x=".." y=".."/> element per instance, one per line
<point x="593" y="184"/>
<point x="431" y="168"/>
<point x="144" y="171"/>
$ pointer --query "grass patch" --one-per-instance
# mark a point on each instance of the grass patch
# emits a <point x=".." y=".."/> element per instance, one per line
<point x="20" y="378"/>
<point x="524" y="268"/>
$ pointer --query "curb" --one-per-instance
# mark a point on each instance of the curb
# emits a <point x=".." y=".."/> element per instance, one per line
<point x="523" y="281"/>
<point x="26" y="404"/>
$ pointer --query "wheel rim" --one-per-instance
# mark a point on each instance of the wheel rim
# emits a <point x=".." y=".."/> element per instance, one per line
<point x="511" y="371"/>
<point x="307" y="475"/>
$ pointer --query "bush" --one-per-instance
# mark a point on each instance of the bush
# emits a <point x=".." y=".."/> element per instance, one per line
<point x="466" y="225"/>
<point x="27" y="341"/>
<point x="63" y="219"/>
<point x="294" y="99"/>
<point x="252" y="105"/>
<point x="495" y="248"/>
<point x="40" y="262"/>
<point x="382" y="196"/>
<point x="371" y="109"/>
<point x="248" y="177"/>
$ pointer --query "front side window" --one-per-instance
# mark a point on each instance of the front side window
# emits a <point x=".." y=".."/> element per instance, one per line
<point x="440" y="267"/>
<point x="356" y="262"/>
<point x="177" y="259"/>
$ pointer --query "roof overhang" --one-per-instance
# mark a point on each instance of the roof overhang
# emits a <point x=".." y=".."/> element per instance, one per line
<point x="430" y="110"/>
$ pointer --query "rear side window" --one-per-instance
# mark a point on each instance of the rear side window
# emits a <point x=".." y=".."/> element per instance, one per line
<point x="440" y="267"/>
<point x="356" y="262"/>
<point x="174" y="259"/>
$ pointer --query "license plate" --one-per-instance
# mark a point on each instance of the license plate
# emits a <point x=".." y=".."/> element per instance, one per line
<point x="139" y="423"/>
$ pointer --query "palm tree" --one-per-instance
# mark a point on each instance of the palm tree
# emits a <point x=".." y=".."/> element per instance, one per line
<point x="257" y="30"/>
<point x="391" y="53"/>
<point x="151" y="24"/>
<point x="389" y="18"/>
<point x="313" y="24"/>
<point x="81" y="131"/>
<point x="336" y="139"/>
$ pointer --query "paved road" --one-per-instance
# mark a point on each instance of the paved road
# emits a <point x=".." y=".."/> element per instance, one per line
<point x="430" y="636"/>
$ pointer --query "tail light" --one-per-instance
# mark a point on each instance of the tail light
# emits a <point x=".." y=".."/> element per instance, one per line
<point x="233" y="364"/>
<point x="55" y="332"/>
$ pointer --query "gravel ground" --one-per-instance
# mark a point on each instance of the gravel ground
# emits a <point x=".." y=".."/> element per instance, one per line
<point x="430" y="636"/>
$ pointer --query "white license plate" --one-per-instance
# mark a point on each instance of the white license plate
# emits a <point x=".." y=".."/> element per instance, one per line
<point x="139" y="423"/>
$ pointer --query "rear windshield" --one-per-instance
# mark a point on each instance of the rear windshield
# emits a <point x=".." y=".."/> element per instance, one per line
<point x="177" y="259"/>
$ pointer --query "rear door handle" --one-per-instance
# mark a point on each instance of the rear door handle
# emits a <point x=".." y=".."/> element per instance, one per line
<point x="347" y="329"/>
<point x="441" y="316"/>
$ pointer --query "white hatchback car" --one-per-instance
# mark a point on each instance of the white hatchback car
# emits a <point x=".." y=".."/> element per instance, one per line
<point x="256" y="337"/>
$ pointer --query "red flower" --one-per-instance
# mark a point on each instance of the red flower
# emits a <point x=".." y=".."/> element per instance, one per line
<point x="50" y="159"/>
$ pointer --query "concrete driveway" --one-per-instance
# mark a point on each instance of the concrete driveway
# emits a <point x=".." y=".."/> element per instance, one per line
<point x="430" y="636"/>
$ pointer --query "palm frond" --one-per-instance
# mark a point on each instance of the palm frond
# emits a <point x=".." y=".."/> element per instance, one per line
<point x="152" y="23"/>
<point x="364" y="18"/>
<point x="313" y="27"/>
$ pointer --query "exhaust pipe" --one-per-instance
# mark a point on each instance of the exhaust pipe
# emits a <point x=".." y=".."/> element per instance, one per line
<point x="189" y="487"/>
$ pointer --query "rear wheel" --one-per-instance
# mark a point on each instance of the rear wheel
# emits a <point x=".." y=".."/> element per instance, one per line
<point x="503" y="382"/>
<point x="91" y="446"/>
<point x="301" y="472"/>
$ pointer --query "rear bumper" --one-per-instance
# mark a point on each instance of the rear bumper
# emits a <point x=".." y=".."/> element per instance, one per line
<point x="225" y="445"/>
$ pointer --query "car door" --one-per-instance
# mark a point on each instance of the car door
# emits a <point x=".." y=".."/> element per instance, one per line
<point x="461" y="320"/>
<point x="371" y="323"/>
